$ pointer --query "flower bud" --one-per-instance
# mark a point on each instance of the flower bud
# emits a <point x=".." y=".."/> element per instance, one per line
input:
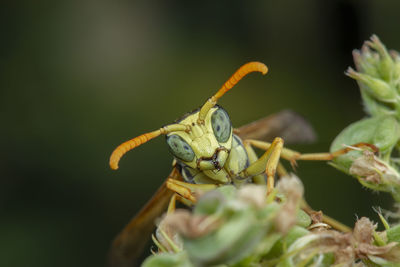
<point x="396" y="68"/>
<point x="377" y="88"/>
<point x="373" y="107"/>
<point x="378" y="75"/>
<point x="376" y="174"/>
<point x="385" y="64"/>
<point x="365" y="62"/>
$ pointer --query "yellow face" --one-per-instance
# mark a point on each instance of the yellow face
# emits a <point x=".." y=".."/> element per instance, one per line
<point x="206" y="146"/>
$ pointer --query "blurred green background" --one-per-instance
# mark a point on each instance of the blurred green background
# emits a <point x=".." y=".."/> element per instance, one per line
<point x="80" y="77"/>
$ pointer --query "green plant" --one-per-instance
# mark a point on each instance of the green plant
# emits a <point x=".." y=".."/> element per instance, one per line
<point x="247" y="227"/>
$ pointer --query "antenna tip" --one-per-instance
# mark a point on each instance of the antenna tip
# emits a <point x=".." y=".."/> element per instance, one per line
<point x="263" y="68"/>
<point x="254" y="66"/>
<point x="113" y="164"/>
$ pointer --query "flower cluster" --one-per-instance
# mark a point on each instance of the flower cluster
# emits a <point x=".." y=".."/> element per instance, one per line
<point x="244" y="227"/>
<point x="378" y="76"/>
<point x="232" y="226"/>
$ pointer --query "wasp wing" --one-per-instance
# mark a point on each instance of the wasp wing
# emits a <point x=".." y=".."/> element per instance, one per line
<point x="127" y="248"/>
<point x="287" y="124"/>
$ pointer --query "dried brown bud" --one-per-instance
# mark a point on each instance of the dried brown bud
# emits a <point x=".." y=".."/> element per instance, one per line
<point x="371" y="169"/>
<point x="316" y="216"/>
<point x="292" y="188"/>
<point x="363" y="231"/>
<point x="253" y="194"/>
<point x="190" y="225"/>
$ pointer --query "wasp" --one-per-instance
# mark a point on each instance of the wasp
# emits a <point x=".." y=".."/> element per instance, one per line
<point x="208" y="152"/>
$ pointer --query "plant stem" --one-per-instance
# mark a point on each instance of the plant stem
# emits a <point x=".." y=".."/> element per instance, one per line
<point x="326" y="219"/>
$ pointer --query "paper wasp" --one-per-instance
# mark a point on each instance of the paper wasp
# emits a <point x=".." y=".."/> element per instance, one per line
<point x="207" y="152"/>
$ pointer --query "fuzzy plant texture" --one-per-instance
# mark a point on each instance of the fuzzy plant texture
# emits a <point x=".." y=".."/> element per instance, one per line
<point x="246" y="227"/>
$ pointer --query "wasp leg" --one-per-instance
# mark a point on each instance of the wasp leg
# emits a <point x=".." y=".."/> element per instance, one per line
<point x="184" y="201"/>
<point x="331" y="156"/>
<point x="293" y="156"/>
<point x="172" y="204"/>
<point x="281" y="170"/>
<point x="187" y="190"/>
<point x="176" y="197"/>
<point x="260" y="178"/>
<point x="267" y="163"/>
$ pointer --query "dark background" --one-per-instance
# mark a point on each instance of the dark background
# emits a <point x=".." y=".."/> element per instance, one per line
<point x="77" y="78"/>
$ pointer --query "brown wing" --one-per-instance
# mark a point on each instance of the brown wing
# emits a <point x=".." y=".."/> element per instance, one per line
<point x="287" y="124"/>
<point x="129" y="244"/>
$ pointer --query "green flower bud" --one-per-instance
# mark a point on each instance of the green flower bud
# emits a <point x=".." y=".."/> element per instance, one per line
<point x="378" y="76"/>
<point x="370" y="57"/>
<point x="365" y="62"/>
<point x="385" y="63"/>
<point x="373" y="107"/>
<point x="396" y="68"/>
<point x="377" y="88"/>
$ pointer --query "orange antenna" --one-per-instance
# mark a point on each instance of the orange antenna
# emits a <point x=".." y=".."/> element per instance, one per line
<point x="234" y="79"/>
<point x="141" y="139"/>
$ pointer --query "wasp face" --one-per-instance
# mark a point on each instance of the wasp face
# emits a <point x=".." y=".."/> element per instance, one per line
<point x="203" y="139"/>
<point x="206" y="146"/>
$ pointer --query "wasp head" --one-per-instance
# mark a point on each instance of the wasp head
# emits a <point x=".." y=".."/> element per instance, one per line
<point x="205" y="146"/>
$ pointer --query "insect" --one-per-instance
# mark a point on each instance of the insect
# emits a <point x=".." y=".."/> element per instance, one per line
<point x="207" y="152"/>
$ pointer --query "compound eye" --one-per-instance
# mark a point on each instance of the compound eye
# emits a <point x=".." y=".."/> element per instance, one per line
<point x="221" y="125"/>
<point x="180" y="148"/>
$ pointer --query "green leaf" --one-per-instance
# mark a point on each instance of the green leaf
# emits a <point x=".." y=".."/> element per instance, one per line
<point x="382" y="131"/>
